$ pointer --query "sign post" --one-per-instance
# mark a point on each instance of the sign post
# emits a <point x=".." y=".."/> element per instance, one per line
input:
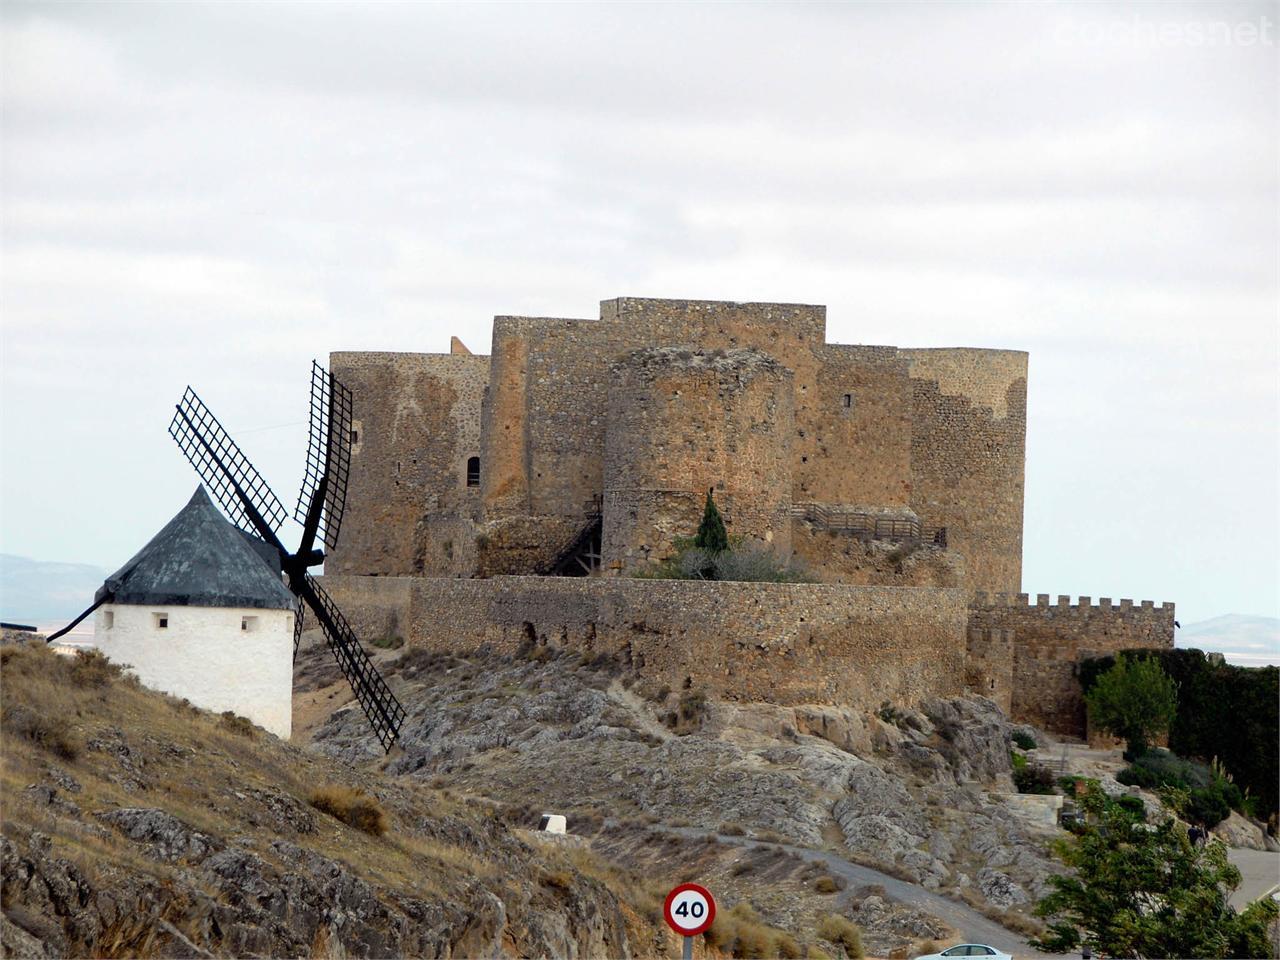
<point x="689" y="910"/>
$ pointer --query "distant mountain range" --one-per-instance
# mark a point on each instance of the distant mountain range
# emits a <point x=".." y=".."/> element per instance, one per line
<point x="38" y="592"/>
<point x="1247" y="641"/>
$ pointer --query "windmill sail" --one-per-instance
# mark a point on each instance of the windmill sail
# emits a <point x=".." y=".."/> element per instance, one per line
<point x="324" y="485"/>
<point x="251" y="505"/>
<point x="227" y="473"/>
<point x="376" y="699"/>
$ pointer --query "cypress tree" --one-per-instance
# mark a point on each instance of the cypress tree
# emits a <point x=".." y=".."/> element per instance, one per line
<point x="712" y="536"/>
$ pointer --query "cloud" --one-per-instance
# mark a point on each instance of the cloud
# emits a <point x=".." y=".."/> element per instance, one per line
<point x="215" y="193"/>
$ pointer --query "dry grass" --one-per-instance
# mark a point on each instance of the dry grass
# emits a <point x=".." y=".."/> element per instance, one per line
<point x="843" y="932"/>
<point x="739" y="932"/>
<point x="352" y="806"/>
<point x="49" y="731"/>
<point x="826" y="885"/>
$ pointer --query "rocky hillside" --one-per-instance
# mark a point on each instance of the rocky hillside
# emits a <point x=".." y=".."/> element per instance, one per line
<point x="747" y="797"/>
<point x="135" y="825"/>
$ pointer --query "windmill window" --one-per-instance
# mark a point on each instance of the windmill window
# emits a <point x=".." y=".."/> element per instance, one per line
<point x="473" y="471"/>
<point x="248" y="624"/>
<point x="848" y="401"/>
<point x="161" y="620"/>
<point x="108" y="620"/>
<point x="355" y="436"/>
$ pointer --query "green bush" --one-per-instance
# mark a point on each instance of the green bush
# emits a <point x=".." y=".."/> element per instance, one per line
<point x="1033" y="778"/>
<point x="1223" y="711"/>
<point x="1198" y="793"/>
<point x="1024" y="740"/>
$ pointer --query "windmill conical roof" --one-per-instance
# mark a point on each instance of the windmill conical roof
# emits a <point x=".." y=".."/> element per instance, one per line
<point x="199" y="559"/>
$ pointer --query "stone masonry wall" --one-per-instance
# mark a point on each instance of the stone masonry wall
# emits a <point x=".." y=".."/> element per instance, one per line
<point x="968" y="455"/>
<point x="937" y="432"/>
<point x="1050" y="640"/>
<point x="681" y="422"/>
<point x="415" y="420"/>
<point x="782" y="643"/>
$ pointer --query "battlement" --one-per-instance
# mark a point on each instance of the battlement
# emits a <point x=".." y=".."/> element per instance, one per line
<point x="1083" y="606"/>
<point x="1050" y="636"/>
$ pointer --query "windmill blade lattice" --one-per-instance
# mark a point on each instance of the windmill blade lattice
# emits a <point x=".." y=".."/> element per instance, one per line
<point x="376" y="699"/>
<point x="328" y="458"/>
<point x="227" y="473"/>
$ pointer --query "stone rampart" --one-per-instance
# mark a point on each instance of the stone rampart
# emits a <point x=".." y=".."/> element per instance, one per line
<point x="782" y="643"/>
<point x="1049" y="639"/>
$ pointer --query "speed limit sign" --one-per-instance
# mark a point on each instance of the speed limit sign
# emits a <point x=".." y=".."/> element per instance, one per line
<point x="689" y="909"/>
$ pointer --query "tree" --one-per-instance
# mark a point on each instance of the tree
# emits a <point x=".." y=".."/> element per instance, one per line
<point x="712" y="536"/>
<point x="1145" y="891"/>
<point x="1135" y="700"/>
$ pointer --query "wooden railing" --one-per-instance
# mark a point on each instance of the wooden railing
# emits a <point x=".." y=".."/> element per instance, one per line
<point x="867" y="526"/>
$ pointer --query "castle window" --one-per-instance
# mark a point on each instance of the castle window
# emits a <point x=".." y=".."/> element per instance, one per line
<point x="108" y="620"/>
<point x="848" y="401"/>
<point x="248" y="624"/>
<point x="473" y="471"/>
<point x="161" y="621"/>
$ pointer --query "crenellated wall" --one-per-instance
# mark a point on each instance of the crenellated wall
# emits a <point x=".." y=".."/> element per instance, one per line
<point x="780" y="643"/>
<point x="1049" y="639"/>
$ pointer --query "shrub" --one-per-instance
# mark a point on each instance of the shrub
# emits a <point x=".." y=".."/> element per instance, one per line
<point x="732" y="829"/>
<point x="739" y="932"/>
<point x="826" y="885"/>
<point x="236" y="724"/>
<point x="389" y="642"/>
<point x="353" y="807"/>
<point x="1206" y="805"/>
<point x="1024" y="740"/>
<point x="841" y="931"/>
<point x="52" y="732"/>
<point x="90" y="668"/>
<point x="1033" y="778"/>
<point x="1133" y="805"/>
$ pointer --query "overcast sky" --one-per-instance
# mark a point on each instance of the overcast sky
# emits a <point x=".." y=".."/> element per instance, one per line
<point x="216" y="194"/>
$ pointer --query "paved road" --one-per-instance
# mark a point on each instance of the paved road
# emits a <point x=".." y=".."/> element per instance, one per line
<point x="970" y="925"/>
<point x="1260" y="870"/>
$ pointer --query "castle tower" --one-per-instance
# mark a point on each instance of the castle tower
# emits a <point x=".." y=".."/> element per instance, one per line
<point x="682" y="421"/>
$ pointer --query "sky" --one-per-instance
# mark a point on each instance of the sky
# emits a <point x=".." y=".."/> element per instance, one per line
<point x="216" y="194"/>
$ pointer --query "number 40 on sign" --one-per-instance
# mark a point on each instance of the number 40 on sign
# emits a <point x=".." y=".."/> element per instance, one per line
<point x="689" y="911"/>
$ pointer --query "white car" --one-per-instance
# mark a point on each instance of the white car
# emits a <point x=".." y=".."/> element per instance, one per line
<point x="967" y="950"/>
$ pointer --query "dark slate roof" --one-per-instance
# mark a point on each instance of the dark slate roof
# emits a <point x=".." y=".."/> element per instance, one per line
<point x="200" y="559"/>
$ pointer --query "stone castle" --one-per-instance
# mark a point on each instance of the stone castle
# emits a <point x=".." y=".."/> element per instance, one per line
<point x="509" y="499"/>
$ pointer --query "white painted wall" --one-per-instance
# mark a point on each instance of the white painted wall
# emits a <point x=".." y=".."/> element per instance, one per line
<point x="205" y="656"/>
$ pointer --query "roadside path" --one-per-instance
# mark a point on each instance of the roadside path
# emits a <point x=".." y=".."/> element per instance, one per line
<point x="1260" y="870"/>
<point x="970" y="925"/>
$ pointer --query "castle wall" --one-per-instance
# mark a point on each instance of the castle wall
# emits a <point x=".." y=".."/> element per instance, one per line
<point x="1049" y="640"/>
<point x="860" y="430"/>
<point x="968" y="454"/>
<point x="416" y="421"/>
<point x="937" y="433"/>
<point x="781" y="643"/>
<point x="681" y="422"/>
